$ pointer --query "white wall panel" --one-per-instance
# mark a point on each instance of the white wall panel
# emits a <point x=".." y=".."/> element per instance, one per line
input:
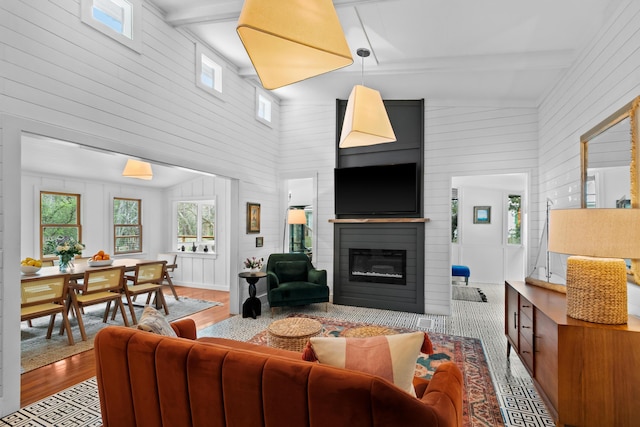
<point x="60" y="75"/>
<point x="605" y="76"/>
<point x="504" y="141"/>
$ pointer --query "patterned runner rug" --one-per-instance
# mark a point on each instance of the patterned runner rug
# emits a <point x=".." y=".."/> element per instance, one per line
<point x="465" y="293"/>
<point x="480" y="405"/>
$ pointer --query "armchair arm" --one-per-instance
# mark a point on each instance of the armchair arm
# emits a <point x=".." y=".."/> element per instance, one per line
<point x="185" y="328"/>
<point x="444" y="393"/>
<point x="272" y="280"/>
<point x="318" y="277"/>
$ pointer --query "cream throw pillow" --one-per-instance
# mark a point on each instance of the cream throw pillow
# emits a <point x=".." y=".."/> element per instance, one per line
<point x="392" y="357"/>
<point x="153" y="321"/>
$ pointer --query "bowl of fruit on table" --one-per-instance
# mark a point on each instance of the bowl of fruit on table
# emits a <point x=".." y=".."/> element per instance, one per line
<point x="30" y="266"/>
<point x="100" y="259"/>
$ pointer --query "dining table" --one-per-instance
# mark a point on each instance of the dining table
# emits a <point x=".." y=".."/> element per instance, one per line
<point x="79" y="266"/>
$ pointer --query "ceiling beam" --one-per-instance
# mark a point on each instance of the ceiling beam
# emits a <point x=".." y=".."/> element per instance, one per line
<point x="230" y="11"/>
<point x="544" y="60"/>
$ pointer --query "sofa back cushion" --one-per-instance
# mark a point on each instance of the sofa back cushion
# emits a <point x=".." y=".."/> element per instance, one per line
<point x="148" y="379"/>
<point x="291" y="271"/>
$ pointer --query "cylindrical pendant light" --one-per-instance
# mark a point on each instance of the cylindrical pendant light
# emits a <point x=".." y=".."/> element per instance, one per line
<point x="292" y="40"/>
<point x="365" y="120"/>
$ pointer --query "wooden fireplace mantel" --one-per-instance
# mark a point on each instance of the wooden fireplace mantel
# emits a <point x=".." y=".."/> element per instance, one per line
<point x="376" y="220"/>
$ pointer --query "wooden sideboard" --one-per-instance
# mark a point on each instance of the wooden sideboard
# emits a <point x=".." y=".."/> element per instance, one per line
<point x="588" y="374"/>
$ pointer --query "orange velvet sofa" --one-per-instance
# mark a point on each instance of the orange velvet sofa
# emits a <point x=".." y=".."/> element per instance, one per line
<point x="146" y="379"/>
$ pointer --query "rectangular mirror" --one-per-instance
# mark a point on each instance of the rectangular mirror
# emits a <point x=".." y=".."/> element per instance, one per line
<point x="609" y="166"/>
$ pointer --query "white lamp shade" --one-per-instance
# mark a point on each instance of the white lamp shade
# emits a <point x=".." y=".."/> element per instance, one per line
<point x="137" y="169"/>
<point x="365" y="120"/>
<point x="296" y="216"/>
<point x="607" y="233"/>
<point x="292" y="40"/>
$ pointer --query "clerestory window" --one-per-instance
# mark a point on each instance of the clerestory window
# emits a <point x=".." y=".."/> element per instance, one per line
<point x="208" y="71"/>
<point x="119" y="19"/>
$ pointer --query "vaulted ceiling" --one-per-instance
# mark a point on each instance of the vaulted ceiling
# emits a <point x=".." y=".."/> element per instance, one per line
<point x="443" y="49"/>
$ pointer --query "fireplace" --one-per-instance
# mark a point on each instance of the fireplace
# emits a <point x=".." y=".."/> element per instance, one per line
<point x="378" y="266"/>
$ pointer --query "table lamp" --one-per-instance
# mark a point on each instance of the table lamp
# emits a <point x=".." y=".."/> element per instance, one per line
<point x="597" y="240"/>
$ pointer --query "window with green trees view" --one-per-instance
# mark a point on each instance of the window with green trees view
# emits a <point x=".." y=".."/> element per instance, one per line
<point x="514" y="220"/>
<point x="127" y="227"/>
<point x="196" y="222"/>
<point x="454" y="215"/>
<point x="59" y="217"/>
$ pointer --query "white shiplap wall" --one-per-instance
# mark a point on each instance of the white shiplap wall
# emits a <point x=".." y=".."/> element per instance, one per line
<point x="464" y="139"/>
<point x="61" y="78"/>
<point x="605" y="77"/>
<point x="307" y="148"/>
<point x="460" y="139"/>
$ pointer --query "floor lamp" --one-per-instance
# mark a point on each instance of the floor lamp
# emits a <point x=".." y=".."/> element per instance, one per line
<point x="292" y="216"/>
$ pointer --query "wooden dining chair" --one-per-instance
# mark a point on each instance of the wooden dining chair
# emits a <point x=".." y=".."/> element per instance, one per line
<point x="46" y="296"/>
<point x="147" y="279"/>
<point x="172" y="264"/>
<point x="103" y="285"/>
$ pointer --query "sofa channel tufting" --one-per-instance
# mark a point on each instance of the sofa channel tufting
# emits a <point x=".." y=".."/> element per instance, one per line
<point x="146" y="379"/>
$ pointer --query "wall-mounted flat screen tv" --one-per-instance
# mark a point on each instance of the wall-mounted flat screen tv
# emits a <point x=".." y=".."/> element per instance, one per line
<point x="378" y="190"/>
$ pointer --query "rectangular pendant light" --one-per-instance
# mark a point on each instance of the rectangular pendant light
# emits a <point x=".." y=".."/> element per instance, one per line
<point x="292" y="40"/>
<point x="365" y="120"/>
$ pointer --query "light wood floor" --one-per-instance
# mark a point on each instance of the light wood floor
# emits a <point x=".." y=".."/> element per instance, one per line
<point x="47" y="380"/>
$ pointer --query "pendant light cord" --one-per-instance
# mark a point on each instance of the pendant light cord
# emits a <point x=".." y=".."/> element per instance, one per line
<point x="362" y="53"/>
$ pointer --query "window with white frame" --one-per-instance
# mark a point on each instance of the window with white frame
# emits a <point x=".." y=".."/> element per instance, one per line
<point x="119" y="19"/>
<point x="208" y="71"/>
<point x="263" y="107"/>
<point x="514" y="219"/>
<point x="196" y="224"/>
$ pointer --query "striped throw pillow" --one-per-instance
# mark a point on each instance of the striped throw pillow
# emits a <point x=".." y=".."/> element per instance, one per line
<point x="392" y="357"/>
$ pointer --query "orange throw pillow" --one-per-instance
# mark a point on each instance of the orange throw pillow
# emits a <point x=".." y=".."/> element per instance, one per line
<point x="392" y="357"/>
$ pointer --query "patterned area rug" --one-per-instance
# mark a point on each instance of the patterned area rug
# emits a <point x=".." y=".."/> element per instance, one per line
<point x="465" y="293"/>
<point x="480" y="405"/>
<point x="37" y="351"/>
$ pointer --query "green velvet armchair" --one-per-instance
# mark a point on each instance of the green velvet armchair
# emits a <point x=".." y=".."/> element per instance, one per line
<point x="292" y="281"/>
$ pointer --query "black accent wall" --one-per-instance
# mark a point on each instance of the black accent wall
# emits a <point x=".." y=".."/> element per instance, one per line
<point x="407" y="120"/>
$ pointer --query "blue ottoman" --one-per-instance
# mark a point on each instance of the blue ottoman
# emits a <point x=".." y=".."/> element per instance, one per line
<point x="461" y="271"/>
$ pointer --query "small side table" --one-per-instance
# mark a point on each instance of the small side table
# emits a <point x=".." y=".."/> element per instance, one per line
<point x="252" y="306"/>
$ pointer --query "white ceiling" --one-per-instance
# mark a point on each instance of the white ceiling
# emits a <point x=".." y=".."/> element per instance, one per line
<point x="513" y="50"/>
<point x="442" y="49"/>
<point x="44" y="156"/>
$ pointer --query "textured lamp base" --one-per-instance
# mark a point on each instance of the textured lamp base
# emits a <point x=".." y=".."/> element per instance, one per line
<point x="597" y="290"/>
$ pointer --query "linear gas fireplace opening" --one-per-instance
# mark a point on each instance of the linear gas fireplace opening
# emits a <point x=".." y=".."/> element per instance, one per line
<point x="378" y="266"/>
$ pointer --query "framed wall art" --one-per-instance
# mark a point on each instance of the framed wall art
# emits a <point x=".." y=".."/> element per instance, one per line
<point x="253" y="217"/>
<point x="482" y="214"/>
<point x="259" y="242"/>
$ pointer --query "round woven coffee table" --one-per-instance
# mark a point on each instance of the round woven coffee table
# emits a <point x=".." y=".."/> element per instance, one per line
<point x="292" y="333"/>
